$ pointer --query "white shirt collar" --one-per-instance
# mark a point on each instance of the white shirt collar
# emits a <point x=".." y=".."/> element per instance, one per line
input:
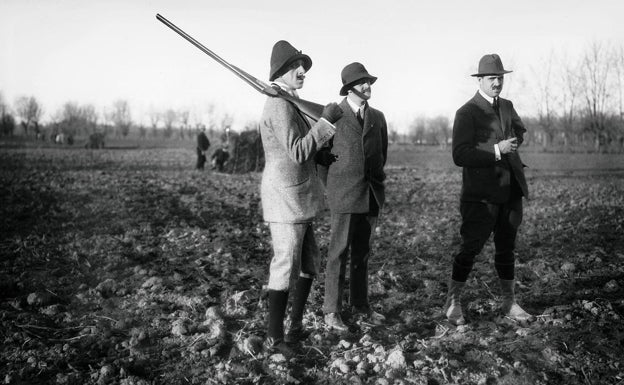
<point x="284" y="87"/>
<point x="489" y="99"/>
<point x="354" y="107"/>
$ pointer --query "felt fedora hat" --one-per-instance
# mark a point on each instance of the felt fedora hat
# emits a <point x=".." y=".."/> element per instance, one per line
<point x="353" y="73"/>
<point x="282" y="56"/>
<point x="491" y="65"/>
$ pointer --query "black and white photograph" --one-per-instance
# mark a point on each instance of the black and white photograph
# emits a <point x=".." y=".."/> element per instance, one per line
<point x="329" y="192"/>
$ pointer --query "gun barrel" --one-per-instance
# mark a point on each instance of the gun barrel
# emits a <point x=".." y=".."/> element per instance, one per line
<point x="311" y="109"/>
<point x="237" y="71"/>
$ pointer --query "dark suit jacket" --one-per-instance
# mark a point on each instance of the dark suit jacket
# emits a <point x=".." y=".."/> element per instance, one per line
<point x="475" y="131"/>
<point x="362" y="154"/>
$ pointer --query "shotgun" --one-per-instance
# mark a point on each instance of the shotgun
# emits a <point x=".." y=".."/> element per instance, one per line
<point x="310" y="109"/>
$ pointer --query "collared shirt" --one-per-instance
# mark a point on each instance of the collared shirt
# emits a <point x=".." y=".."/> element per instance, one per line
<point x="294" y="94"/>
<point x="486" y="96"/>
<point x="491" y="101"/>
<point x="354" y="107"/>
<point x="283" y="86"/>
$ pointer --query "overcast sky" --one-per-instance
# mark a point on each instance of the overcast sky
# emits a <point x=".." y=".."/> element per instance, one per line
<point x="423" y="52"/>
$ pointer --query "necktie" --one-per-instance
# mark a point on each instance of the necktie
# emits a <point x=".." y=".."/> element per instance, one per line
<point x="360" y="116"/>
<point x="495" y="105"/>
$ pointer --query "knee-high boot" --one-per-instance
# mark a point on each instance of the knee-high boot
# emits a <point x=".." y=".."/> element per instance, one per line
<point x="300" y="298"/>
<point x="510" y="307"/>
<point x="277" y="309"/>
<point x="452" y="307"/>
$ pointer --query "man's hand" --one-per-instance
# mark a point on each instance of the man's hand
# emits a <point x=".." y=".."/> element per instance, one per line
<point x="324" y="157"/>
<point x="332" y="112"/>
<point x="508" y="145"/>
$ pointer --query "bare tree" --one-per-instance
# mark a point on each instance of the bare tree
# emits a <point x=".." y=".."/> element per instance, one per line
<point x="393" y="135"/>
<point x="545" y="99"/>
<point x="154" y="117"/>
<point x="121" y="117"/>
<point x="619" y="76"/>
<point x="595" y="70"/>
<point x="183" y="117"/>
<point x="29" y="110"/>
<point x="170" y="118"/>
<point x="73" y="119"/>
<point x="570" y="94"/>
<point x="440" y="130"/>
<point x="417" y="130"/>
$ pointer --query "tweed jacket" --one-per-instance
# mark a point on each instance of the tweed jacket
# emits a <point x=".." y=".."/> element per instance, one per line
<point x="290" y="190"/>
<point x="362" y="154"/>
<point x="475" y="131"/>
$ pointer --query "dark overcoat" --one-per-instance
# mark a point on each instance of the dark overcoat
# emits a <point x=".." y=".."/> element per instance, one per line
<point x="362" y="154"/>
<point x="477" y="128"/>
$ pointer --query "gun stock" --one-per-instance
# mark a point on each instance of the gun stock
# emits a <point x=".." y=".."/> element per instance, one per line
<point x="310" y="109"/>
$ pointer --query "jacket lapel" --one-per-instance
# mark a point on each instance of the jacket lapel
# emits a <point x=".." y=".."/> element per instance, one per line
<point x="487" y="107"/>
<point x="349" y="117"/>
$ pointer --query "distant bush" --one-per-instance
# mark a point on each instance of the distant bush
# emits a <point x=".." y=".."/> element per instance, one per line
<point x="247" y="152"/>
<point x="7" y="124"/>
<point x="95" y="141"/>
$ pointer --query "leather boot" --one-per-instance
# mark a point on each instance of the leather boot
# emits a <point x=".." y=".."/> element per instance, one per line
<point x="452" y="308"/>
<point x="278" y="300"/>
<point x="510" y="307"/>
<point x="302" y="291"/>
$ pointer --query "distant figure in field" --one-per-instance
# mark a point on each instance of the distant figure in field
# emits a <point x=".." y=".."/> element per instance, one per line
<point x="202" y="146"/>
<point x="219" y="158"/>
<point x="486" y="134"/>
<point x="95" y="141"/>
<point x="60" y="138"/>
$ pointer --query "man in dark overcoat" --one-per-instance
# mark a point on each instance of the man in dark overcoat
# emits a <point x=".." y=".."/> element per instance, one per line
<point x="202" y="147"/>
<point x="486" y="135"/>
<point x="355" y="195"/>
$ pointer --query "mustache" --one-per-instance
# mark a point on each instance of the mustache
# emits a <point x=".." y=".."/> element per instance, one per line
<point x="361" y="94"/>
<point x="301" y="77"/>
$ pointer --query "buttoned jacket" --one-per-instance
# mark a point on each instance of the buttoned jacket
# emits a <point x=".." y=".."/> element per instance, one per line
<point x="362" y="152"/>
<point x="476" y="129"/>
<point x="290" y="189"/>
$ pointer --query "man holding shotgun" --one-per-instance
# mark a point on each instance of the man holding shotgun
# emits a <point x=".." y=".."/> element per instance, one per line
<point x="291" y="193"/>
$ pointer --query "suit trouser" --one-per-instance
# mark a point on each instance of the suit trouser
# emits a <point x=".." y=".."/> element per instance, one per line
<point x="479" y="220"/>
<point x="201" y="159"/>
<point x="349" y="232"/>
<point x="295" y="253"/>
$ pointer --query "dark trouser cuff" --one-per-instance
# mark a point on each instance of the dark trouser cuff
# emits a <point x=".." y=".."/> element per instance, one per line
<point x="505" y="271"/>
<point x="460" y="273"/>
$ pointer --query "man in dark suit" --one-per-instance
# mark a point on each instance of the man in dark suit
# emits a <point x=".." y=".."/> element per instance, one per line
<point x="202" y="146"/>
<point x="355" y="193"/>
<point x="486" y="134"/>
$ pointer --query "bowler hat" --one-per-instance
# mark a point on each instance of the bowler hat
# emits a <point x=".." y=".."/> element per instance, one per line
<point x="491" y="65"/>
<point x="353" y="73"/>
<point x="282" y="56"/>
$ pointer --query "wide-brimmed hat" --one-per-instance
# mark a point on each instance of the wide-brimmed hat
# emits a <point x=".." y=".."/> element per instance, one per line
<point x="491" y="65"/>
<point x="283" y="55"/>
<point x="352" y="74"/>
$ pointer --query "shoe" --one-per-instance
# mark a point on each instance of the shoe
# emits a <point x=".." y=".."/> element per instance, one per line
<point x="510" y="307"/>
<point x="275" y="346"/>
<point x="453" y="307"/>
<point x="369" y="315"/>
<point x="297" y="333"/>
<point x="333" y="321"/>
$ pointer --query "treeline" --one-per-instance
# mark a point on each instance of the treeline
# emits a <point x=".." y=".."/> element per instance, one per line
<point x="578" y="104"/>
<point x="74" y="120"/>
